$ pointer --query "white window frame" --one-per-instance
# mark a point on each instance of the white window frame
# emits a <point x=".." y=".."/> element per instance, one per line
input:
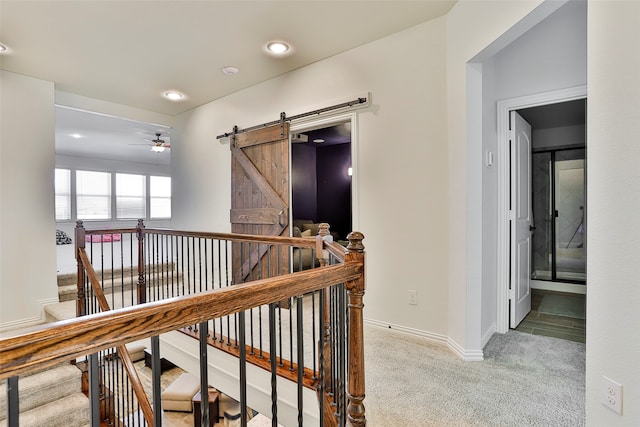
<point x="151" y="197"/>
<point x="109" y="196"/>
<point x="118" y="196"/>
<point x="68" y="194"/>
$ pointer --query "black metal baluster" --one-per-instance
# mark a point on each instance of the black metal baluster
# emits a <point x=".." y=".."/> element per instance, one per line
<point x="243" y="370"/>
<point x="300" y="343"/>
<point x="134" y="283"/>
<point x="94" y="390"/>
<point x="342" y="353"/>
<point x="155" y="373"/>
<point x="321" y="363"/>
<point x="204" y="379"/>
<point x="199" y="262"/>
<point x="313" y="333"/>
<point x="13" y="402"/>
<point x="274" y="367"/>
<point x="206" y="270"/>
<point x="252" y="352"/>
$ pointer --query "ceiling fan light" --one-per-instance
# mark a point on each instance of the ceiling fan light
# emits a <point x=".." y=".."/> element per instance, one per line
<point x="158" y="148"/>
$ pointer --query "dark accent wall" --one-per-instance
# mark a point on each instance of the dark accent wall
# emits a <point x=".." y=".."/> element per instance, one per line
<point x="321" y="187"/>
<point x="303" y="181"/>
<point x="334" y="187"/>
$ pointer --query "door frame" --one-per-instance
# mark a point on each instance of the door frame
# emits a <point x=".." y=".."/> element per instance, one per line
<point x="504" y="241"/>
<point x="306" y="124"/>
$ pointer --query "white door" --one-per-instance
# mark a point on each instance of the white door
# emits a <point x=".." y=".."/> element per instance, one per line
<point x="521" y="221"/>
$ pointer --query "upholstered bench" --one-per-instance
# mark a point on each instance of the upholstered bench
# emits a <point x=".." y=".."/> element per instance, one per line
<point x="178" y="396"/>
<point x="136" y="351"/>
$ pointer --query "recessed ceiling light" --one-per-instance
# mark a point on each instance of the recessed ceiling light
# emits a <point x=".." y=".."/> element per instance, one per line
<point x="173" y="95"/>
<point x="75" y="135"/>
<point x="318" y="141"/>
<point x="230" y="70"/>
<point x="279" y="48"/>
<point x="3" y="48"/>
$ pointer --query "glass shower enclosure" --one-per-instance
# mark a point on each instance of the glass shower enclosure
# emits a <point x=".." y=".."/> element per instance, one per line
<point x="559" y="206"/>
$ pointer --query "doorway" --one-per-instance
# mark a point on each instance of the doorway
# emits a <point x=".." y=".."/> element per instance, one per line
<point x="322" y="175"/>
<point x="558" y="188"/>
<point x="555" y="230"/>
<point x="505" y="243"/>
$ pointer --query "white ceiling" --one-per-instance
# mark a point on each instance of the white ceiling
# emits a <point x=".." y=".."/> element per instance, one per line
<point x="86" y="134"/>
<point x="131" y="52"/>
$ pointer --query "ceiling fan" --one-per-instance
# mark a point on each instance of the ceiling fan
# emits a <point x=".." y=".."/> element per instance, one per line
<point x="157" y="145"/>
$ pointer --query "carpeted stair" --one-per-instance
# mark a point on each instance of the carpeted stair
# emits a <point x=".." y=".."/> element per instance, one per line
<point x="50" y="398"/>
<point x="117" y="281"/>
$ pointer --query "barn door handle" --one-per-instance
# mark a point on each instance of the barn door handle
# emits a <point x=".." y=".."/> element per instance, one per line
<point x="280" y="217"/>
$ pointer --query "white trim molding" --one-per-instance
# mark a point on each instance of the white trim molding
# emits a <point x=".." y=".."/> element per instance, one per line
<point x="503" y="109"/>
<point x="28" y="322"/>
<point x="466" y="355"/>
<point x="331" y="120"/>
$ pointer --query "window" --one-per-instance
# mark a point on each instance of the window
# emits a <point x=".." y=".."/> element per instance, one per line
<point x="93" y="195"/>
<point x="160" y="197"/>
<point x="130" y="196"/>
<point x="63" y="194"/>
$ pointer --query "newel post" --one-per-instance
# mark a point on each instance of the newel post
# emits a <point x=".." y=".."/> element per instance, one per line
<point x="79" y="242"/>
<point x="142" y="284"/>
<point x="355" y="360"/>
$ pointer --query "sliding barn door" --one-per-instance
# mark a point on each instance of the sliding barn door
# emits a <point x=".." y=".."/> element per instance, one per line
<point x="260" y="200"/>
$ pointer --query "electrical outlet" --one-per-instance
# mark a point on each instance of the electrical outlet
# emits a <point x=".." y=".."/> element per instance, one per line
<point x="413" y="297"/>
<point x="612" y="395"/>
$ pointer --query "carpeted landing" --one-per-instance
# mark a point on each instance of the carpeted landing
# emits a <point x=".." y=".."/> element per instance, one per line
<point x="525" y="380"/>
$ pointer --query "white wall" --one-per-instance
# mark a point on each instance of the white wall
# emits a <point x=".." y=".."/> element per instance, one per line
<point x="27" y="218"/>
<point x="550" y="56"/>
<point x="27" y="223"/>
<point x="613" y="195"/>
<point x="472" y="26"/>
<point x="401" y="164"/>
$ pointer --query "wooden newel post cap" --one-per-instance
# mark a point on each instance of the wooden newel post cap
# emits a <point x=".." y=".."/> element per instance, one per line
<point x="355" y="242"/>
<point x="324" y="229"/>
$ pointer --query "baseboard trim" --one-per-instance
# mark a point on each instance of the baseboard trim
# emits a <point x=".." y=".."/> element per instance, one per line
<point x="28" y="322"/>
<point x="409" y="331"/>
<point x="466" y="355"/>
<point x="487" y="335"/>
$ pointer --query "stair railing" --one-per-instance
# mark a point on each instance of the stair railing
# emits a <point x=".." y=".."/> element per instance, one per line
<point x="122" y="351"/>
<point x="68" y="340"/>
<point x="154" y="264"/>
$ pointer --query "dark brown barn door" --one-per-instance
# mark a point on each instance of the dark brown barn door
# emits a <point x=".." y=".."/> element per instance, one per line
<point x="260" y="199"/>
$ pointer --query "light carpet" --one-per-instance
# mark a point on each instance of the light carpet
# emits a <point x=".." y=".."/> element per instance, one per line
<point x="525" y="380"/>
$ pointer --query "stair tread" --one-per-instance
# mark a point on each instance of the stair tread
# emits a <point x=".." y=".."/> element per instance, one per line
<point x="42" y="387"/>
<point x="70" y="411"/>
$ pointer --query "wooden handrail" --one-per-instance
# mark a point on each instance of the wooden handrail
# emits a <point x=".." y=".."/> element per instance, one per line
<point x="236" y="237"/>
<point x="123" y="353"/>
<point x="69" y="339"/>
<point x="335" y="248"/>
